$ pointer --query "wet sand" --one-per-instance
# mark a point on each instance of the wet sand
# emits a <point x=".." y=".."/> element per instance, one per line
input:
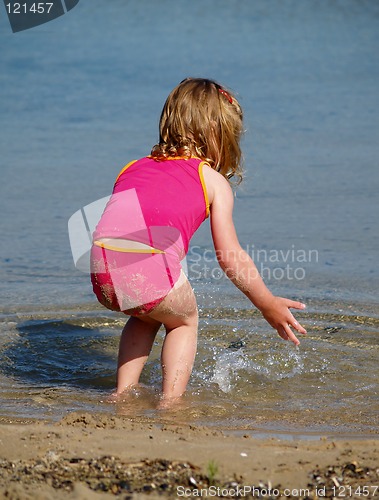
<point x="88" y="456"/>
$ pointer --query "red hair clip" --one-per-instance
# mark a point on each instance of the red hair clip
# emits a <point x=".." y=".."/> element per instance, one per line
<point x="226" y="94"/>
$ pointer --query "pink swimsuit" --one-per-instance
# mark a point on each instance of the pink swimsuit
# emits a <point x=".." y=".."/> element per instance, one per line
<point x="145" y="231"/>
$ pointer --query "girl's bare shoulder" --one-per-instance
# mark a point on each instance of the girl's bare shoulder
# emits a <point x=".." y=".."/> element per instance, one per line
<point x="215" y="183"/>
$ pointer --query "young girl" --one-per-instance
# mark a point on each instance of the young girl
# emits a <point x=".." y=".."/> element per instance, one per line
<point x="158" y="202"/>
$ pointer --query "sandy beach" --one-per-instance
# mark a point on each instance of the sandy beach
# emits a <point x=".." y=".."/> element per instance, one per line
<point x="88" y="456"/>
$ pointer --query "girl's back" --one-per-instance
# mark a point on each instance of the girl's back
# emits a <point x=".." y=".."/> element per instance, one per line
<point x="171" y="193"/>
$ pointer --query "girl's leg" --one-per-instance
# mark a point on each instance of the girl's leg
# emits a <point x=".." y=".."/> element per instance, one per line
<point x="178" y="356"/>
<point x="178" y="313"/>
<point x="135" y="345"/>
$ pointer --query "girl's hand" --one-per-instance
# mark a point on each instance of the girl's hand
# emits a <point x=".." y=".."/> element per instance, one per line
<point x="277" y="313"/>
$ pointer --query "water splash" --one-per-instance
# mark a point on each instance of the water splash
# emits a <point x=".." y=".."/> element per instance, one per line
<point x="273" y="365"/>
<point x="226" y="367"/>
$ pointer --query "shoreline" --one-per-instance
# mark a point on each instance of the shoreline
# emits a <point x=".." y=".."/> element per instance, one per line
<point x="88" y="457"/>
<point x="259" y="432"/>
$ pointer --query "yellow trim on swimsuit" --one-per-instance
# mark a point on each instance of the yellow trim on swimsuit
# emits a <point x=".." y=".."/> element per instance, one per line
<point x="201" y="175"/>
<point x="127" y="250"/>
<point x="125" y="168"/>
<point x="176" y="158"/>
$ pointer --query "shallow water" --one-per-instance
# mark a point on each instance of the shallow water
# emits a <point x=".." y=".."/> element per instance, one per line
<point x="81" y="96"/>
<point x="245" y="378"/>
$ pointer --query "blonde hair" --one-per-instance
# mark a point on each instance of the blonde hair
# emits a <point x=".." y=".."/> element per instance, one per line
<point x="200" y="118"/>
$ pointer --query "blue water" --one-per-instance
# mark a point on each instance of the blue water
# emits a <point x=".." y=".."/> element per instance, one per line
<point x="81" y="96"/>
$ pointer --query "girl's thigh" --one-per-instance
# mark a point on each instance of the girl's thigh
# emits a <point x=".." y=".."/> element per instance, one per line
<point x="179" y="307"/>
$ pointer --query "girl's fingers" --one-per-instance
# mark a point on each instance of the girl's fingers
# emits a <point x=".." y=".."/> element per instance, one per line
<point x="298" y="326"/>
<point x="294" y="304"/>
<point x="293" y="322"/>
<point x="291" y="336"/>
<point x="284" y="329"/>
<point x="287" y="334"/>
<point x="282" y="332"/>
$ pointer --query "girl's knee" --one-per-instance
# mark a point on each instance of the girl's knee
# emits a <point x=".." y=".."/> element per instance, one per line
<point x="193" y="317"/>
<point x="190" y="319"/>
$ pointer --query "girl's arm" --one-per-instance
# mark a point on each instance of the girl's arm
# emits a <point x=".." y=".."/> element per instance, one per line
<point x="237" y="264"/>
